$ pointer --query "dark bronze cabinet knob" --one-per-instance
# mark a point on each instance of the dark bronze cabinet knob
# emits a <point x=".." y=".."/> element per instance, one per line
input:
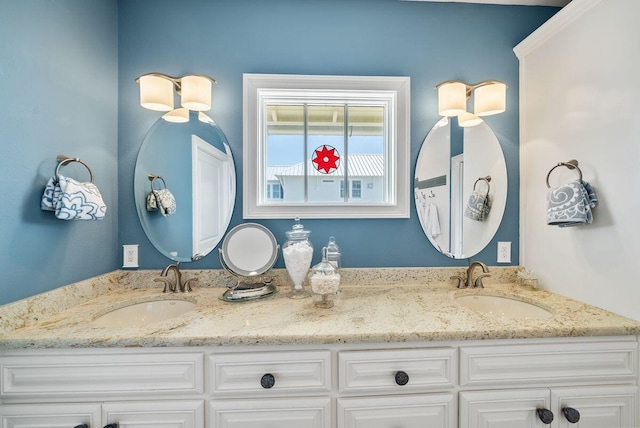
<point x="571" y="414"/>
<point x="402" y="378"/>
<point x="82" y="426"/>
<point x="267" y="381"/>
<point x="111" y="426"/>
<point x="545" y="415"/>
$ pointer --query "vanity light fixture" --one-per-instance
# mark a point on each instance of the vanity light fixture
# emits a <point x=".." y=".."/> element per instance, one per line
<point x="156" y="93"/>
<point x="489" y="97"/>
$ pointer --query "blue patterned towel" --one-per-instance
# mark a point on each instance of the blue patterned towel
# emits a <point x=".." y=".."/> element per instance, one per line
<point x="72" y="200"/>
<point x="478" y="206"/>
<point x="162" y="200"/>
<point x="571" y="204"/>
<point x="50" y="195"/>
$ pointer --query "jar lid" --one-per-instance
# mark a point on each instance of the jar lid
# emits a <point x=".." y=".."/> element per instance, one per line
<point x="324" y="267"/>
<point x="297" y="231"/>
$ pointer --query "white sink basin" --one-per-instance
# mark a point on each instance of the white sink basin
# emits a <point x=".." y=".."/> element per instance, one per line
<point x="144" y="313"/>
<point x="503" y="306"/>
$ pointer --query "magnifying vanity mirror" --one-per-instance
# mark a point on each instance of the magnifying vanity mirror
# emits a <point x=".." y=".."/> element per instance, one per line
<point x="248" y="251"/>
<point x="460" y="187"/>
<point x="191" y="163"/>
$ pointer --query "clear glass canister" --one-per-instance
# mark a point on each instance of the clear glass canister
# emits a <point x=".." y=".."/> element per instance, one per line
<point x="333" y="253"/>
<point x="325" y="282"/>
<point x="297" y="252"/>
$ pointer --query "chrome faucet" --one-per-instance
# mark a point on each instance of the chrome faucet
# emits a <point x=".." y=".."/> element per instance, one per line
<point x="177" y="285"/>
<point x="468" y="282"/>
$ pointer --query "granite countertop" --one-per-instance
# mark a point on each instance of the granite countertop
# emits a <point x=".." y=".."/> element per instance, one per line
<point x="363" y="313"/>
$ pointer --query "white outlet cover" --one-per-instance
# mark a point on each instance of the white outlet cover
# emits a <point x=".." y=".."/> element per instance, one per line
<point x="504" y="252"/>
<point x="130" y="256"/>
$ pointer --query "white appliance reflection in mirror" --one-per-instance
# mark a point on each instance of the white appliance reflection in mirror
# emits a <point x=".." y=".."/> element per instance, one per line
<point x="449" y="163"/>
<point x="196" y="159"/>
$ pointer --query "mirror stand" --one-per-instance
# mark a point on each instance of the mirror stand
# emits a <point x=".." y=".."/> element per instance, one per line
<point x="247" y="287"/>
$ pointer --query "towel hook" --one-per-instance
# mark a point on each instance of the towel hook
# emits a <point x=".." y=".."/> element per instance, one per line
<point x="64" y="160"/>
<point x="571" y="164"/>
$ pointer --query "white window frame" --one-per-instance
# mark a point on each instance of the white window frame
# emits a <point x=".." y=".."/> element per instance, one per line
<point x="258" y="87"/>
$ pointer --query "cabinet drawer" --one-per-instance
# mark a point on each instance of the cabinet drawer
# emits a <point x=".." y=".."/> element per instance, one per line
<point x="548" y="364"/>
<point x="160" y="414"/>
<point x="73" y="374"/>
<point x="382" y="371"/>
<point x="49" y="415"/>
<point x="409" y="411"/>
<point x="270" y="373"/>
<point x="273" y="412"/>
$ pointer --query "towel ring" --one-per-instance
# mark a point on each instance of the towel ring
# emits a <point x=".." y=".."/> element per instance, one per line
<point x="64" y="160"/>
<point x="153" y="178"/>
<point x="571" y="164"/>
<point x="486" y="179"/>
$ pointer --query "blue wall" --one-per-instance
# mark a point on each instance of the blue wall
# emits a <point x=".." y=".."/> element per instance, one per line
<point x="68" y="70"/>
<point x="430" y="42"/>
<point x="58" y="64"/>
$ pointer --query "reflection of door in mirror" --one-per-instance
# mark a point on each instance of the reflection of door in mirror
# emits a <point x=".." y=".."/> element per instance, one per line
<point x="450" y="162"/>
<point x="211" y="190"/>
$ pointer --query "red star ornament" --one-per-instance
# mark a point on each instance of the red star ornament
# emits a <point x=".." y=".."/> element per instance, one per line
<point x="326" y="159"/>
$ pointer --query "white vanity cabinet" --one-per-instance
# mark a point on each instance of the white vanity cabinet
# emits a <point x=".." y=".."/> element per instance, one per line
<point x="132" y="414"/>
<point x="383" y="388"/>
<point x="590" y="384"/>
<point x="464" y="384"/>
<point x="133" y="388"/>
<point x="586" y="407"/>
<point x="263" y="389"/>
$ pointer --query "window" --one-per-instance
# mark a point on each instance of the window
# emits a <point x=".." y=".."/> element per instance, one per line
<point x="274" y="191"/>
<point x="311" y="133"/>
<point x="356" y="189"/>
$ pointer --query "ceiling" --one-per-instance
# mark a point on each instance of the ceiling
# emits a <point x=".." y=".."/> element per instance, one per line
<point x="556" y="3"/>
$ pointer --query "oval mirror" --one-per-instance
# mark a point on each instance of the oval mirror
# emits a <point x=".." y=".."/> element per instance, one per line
<point x="460" y="187"/>
<point x="193" y="163"/>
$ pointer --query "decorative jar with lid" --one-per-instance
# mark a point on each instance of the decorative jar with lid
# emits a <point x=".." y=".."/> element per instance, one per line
<point x="325" y="282"/>
<point x="297" y="252"/>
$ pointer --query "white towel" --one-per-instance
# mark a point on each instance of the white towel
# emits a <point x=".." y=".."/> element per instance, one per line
<point x="73" y="200"/>
<point x="433" y="223"/>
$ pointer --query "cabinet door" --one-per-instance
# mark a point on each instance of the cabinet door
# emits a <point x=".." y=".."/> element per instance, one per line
<point x="159" y="414"/>
<point x="269" y="413"/>
<point x="604" y="406"/>
<point x="49" y="415"/>
<point x="503" y="408"/>
<point x="412" y="411"/>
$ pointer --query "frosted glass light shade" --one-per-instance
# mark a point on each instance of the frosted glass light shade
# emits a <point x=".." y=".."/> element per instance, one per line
<point x="196" y="93"/>
<point x="179" y="115"/>
<point x="202" y="117"/>
<point x="156" y="93"/>
<point x="490" y="99"/>
<point x="452" y="98"/>
<point x="467" y="119"/>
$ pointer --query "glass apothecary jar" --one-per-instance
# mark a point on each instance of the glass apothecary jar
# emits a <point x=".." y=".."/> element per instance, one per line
<point x="325" y="282"/>
<point x="297" y="253"/>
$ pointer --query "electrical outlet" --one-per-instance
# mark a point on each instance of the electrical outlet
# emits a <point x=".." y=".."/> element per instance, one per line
<point x="130" y="256"/>
<point x="504" y="252"/>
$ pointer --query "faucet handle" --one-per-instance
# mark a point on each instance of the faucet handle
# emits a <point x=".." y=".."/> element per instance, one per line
<point x="168" y="285"/>
<point x="461" y="283"/>
<point x="186" y="287"/>
<point x="478" y="283"/>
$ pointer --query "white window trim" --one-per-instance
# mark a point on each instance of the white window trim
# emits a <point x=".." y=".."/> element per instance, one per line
<point x="256" y="85"/>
